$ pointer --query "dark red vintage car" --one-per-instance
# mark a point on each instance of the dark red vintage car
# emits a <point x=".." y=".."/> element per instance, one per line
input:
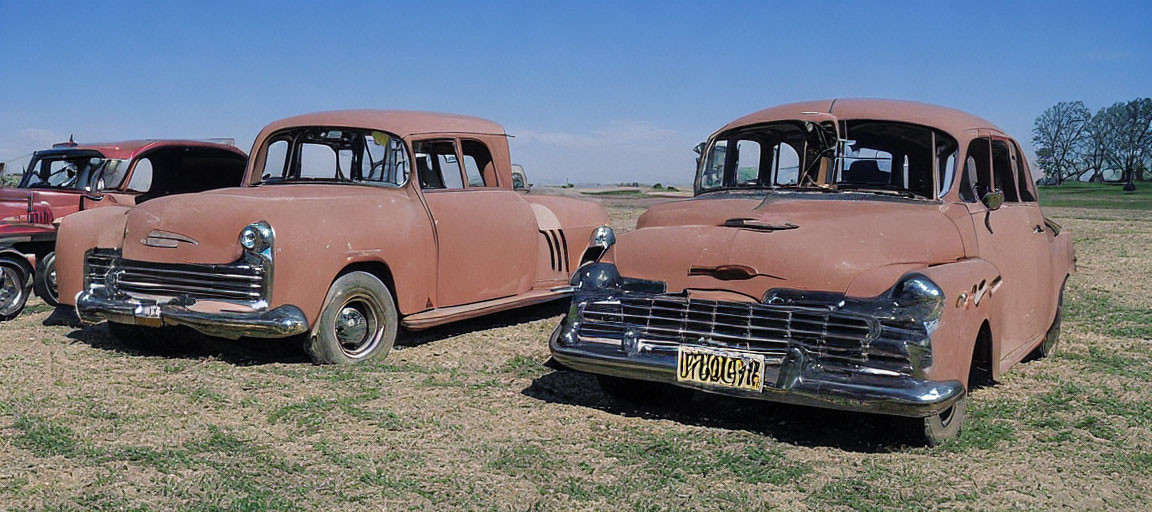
<point x="71" y="177"/>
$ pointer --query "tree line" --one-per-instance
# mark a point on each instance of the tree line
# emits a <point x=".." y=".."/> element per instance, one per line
<point x="1071" y="142"/>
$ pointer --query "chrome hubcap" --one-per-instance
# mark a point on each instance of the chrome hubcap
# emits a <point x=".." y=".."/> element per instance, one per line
<point x="10" y="288"/>
<point x="351" y="327"/>
<point x="357" y="327"/>
<point x="50" y="279"/>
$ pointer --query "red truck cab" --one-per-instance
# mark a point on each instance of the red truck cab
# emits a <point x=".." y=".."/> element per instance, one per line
<point x="71" y="177"/>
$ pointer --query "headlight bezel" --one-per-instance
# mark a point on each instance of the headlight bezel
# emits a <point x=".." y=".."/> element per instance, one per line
<point x="257" y="237"/>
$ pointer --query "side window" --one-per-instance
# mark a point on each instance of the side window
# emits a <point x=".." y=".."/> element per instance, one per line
<point x="786" y="164"/>
<point x="142" y="176"/>
<point x="1002" y="171"/>
<point x="437" y="165"/>
<point x="747" y="162"/>
<point x="384" y="160"/>
<point x="1024" y="178"/>
<point x="113" y="175"/>
<point x="945" y="162"/>
<point x="712" y="175"/>
<point x="977" y="172"/>
<point x="478" y="164"/>
<point x="274" y="159"/>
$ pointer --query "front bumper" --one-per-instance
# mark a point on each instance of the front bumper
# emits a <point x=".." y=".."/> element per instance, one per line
<point x="866" y="355"/>
<point x="797" y="380"/>
<point x="283" y="321"/>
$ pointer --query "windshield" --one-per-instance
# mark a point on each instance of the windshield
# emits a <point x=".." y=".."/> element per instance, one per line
<point x="874" y="157"/>
<point x="334" y="155"/>
<point x="887" y="156"/>
<point x="72" y="170"/>
<point x="772" y="155"/>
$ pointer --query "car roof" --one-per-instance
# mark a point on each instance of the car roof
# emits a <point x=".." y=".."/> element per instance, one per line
<point x="129" y="149"/>
<point x="943" y="118"/>
<point x="403" y="123"/>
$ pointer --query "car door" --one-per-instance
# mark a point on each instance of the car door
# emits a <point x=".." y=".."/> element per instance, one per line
<point x="1007" y="237"/>
<point x="485" y="233"/>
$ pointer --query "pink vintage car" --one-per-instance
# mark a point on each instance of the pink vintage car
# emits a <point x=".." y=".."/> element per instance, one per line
<point x="71" y="177"/>
<point x="879" y="256"/>
<point x="349" y="225"/>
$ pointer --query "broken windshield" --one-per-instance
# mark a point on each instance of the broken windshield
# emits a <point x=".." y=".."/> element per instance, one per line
<point x="68" y="170"/>
<point x="335" y="155"/>
<point x="873" y="157"/>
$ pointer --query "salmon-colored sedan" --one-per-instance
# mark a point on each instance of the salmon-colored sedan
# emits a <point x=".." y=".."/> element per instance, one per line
<point x="871" y="255"/>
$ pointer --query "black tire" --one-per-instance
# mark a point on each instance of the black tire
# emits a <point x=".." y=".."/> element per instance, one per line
<point x="15" y="287"/>
<point x="359" y="322"/>
<point x="45" y="283"/>
<point x="643" y="392"/>
<point x="935" y="430"/>
<point x="1052" y="337"/>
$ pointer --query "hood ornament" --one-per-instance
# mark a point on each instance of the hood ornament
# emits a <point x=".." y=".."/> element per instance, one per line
<point x="166" y="239"/>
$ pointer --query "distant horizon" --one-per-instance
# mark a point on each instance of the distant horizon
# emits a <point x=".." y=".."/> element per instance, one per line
<point x="590" y="93"/>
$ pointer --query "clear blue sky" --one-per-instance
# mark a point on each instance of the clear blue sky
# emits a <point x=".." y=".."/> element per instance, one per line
<point x="593" y="91"/>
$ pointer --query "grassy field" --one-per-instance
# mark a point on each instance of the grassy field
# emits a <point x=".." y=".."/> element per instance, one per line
<point x="1097" y="195"/>
<point x="467" y="417"/>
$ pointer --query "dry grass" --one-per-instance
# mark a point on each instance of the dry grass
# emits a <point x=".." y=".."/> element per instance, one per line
<point x="466" y="417"/>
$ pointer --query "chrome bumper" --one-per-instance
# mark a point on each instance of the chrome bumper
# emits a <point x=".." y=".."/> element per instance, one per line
<point x="94" y="307"/>
<point x="796" y="380"/>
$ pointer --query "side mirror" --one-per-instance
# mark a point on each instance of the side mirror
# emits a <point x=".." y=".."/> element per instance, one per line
<point x="699" y="150"/>
<point x="993" y="200"/>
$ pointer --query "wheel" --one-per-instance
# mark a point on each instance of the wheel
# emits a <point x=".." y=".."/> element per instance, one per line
<point x="934" y="430"/>
<point x="45" y="283"/>
<point x="358" y="323"/>
<point x="1052" y="337"/>
<point x="643" y="392"/>
<point x="15" y="285"/>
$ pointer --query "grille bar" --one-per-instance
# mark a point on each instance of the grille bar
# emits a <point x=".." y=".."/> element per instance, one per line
<point x="233" y="282"/>
<point x="772" y="329"/>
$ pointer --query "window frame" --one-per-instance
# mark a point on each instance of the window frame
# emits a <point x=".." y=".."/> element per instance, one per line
<point x="1023" y="172"/>
<point x="258" y="162"/>
<point x="460" y="165"/>
<point x="463" y="168"/>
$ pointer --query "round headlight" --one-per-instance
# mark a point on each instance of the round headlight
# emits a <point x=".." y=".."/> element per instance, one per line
<point x="603" y="237"/>
<point x="256" y="236"/>
<point x="920" y="299"/>
<point x="248" y="238"/>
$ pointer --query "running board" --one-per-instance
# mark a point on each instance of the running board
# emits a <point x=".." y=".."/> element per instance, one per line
<point x="438" y="316"/>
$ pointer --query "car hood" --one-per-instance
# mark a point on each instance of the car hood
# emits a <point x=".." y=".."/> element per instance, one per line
<point x="13" y="202"/>
<point x="209" y="223"/>
<point x="848" y="244"/>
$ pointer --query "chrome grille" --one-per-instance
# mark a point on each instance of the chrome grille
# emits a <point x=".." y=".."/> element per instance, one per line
<point x="833" y="337"/>
<point x="231" y="282"/>
<point x="97" y="263"/>
<point x="742" y="325"/>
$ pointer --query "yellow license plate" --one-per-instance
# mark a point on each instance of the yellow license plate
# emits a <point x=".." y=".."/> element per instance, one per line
<point x="720" y="368"/>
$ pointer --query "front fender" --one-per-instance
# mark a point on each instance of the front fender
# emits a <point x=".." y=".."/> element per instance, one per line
<point x="96" y="228"/>
<point x="970" y="299"/>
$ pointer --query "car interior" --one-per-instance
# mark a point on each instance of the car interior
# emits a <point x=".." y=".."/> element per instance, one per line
<point x="181" y="170"/>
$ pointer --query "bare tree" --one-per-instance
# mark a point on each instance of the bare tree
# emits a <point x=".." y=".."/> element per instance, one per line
<point x="1093" y="148"/>
<point x="1128" y="132"/>
<point x="1057" y="134"/>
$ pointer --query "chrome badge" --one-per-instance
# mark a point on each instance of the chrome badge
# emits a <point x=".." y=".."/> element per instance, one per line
<point x="166" y="239"/>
